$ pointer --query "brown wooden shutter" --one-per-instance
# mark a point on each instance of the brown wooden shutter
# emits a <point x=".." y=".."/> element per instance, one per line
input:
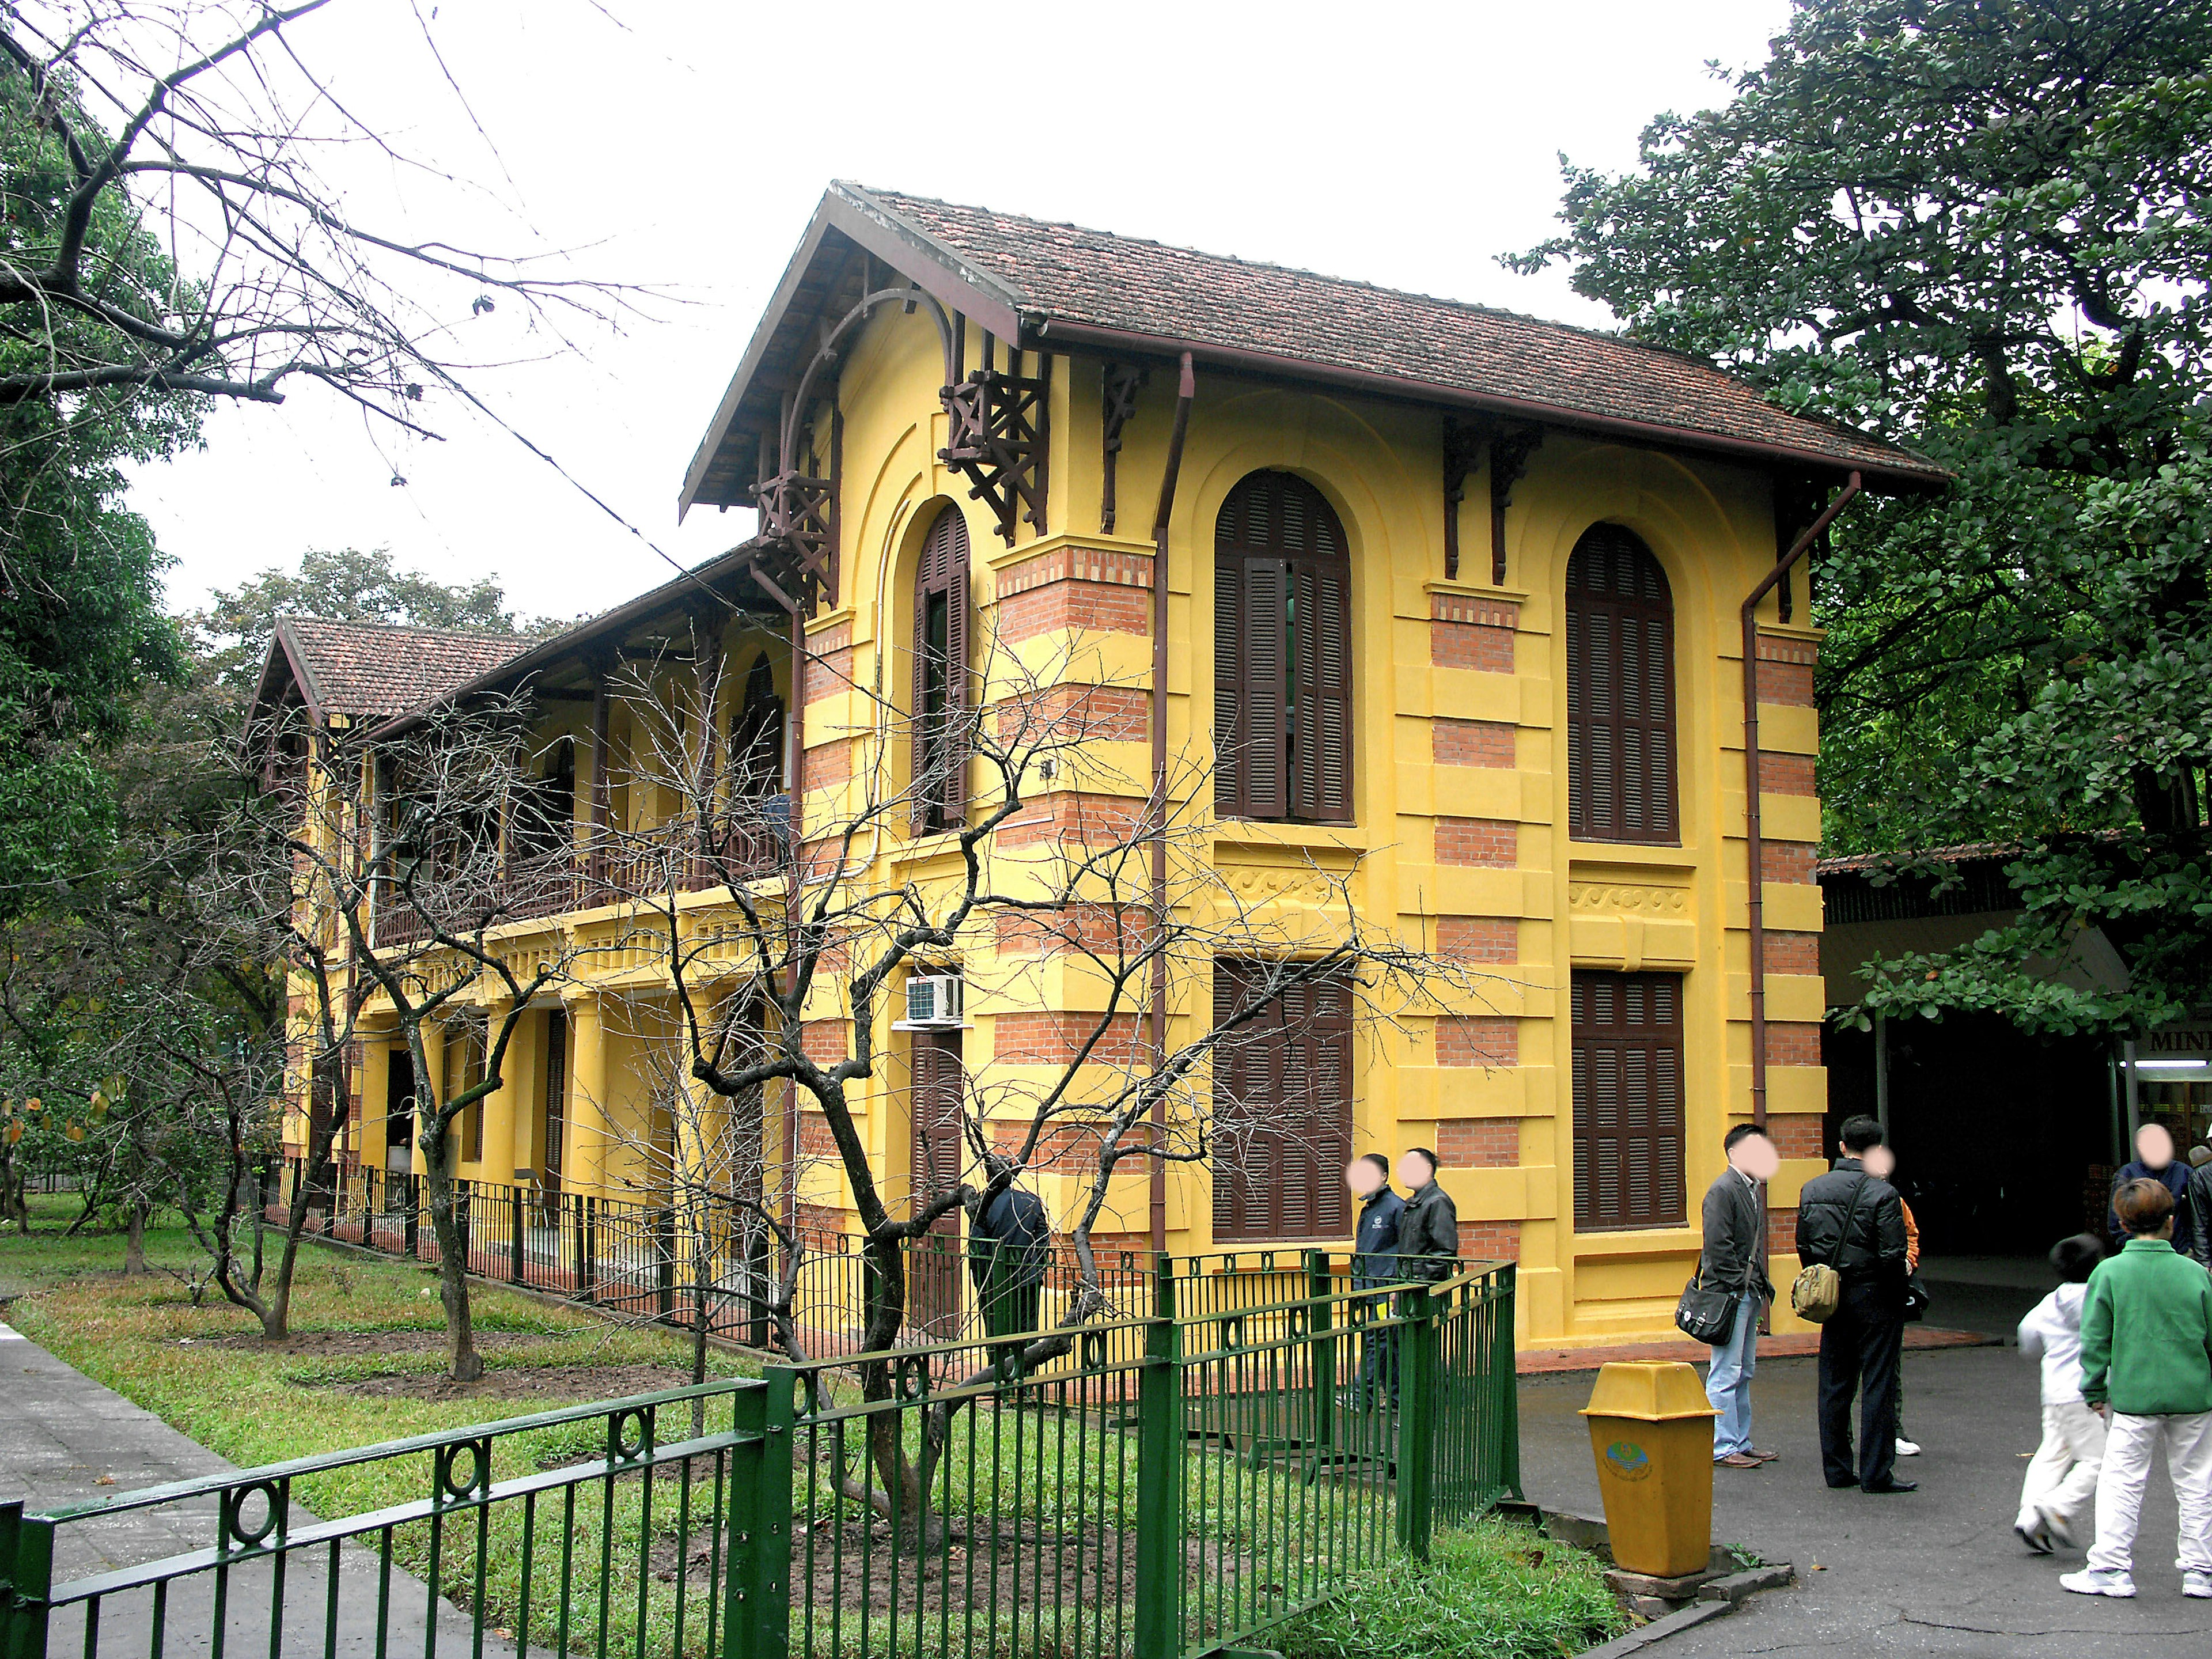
<point x="1621" y="692"/>
<point x="940" y="773"/>
<point x="1282" y="1090"/>
<point x="1282" y="653"/>
<point x="1628" y="1100"/>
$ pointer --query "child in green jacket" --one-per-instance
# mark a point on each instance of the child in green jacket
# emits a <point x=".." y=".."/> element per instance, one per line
<point x="2146" y="1365"/>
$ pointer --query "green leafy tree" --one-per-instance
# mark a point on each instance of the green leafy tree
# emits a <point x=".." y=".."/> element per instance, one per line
<point x="1979" y="228"/>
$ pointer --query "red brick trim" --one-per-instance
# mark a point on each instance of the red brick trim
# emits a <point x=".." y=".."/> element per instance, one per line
<point x="1479" y="1143"/>
<point x="1785" y="775"/>
<point x="1793" y="1043"/>
<point x="1075" y="587"/>
<point x="1075" y="714"/>
<point x="1481" y="843"/>
<point x="1054" y="1039"/>
<point x="1786" y="860"/>
<point x="1471" y="742"/>
<point x="1785" y="673"/>
<point x="829" y="662"/>
<point x="1468" y="1040"/>
<point x="1472" y="633"/>
<point x="1069" y="816"/>
<point x="1479" y="938"/>
<point x="1793" y="953"/>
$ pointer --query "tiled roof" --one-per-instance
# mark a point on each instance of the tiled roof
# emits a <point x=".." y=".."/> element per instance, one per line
<point x="1089" y="279"/>
<point x="358" y="668"/>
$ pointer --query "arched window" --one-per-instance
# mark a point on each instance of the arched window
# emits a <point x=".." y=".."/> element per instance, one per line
<point x="1620" y="691"/>
<point x="756" y="736"/>
<point x="940" y="675"/>
<point x="1282" y="654"/>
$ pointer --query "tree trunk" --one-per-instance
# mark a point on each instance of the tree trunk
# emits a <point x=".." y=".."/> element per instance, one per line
<point x="463" y="1363"/>
<point x="134" y="1240"/>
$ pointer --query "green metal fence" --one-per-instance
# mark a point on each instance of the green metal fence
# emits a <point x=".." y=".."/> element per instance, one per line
<point x="1152" y="1487"/>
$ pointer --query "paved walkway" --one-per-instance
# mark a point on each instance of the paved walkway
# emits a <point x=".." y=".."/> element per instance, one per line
<point x="64" y="1439"/>
<point x="1936" y="1572"/>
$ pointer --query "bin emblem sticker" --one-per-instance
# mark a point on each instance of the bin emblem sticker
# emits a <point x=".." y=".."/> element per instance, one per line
<point x="1628" y="1460"/>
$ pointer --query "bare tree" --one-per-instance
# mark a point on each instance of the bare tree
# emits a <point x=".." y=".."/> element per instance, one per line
<point x="401" y="856"/>
<point x="812" y="930"/>
<point x="197" y="245"/>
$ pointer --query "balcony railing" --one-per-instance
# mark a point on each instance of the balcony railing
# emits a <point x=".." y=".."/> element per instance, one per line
<point x="634" y="867"/>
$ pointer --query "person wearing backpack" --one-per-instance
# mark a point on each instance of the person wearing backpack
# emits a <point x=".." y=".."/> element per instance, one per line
<point x="1853" y="1223"/>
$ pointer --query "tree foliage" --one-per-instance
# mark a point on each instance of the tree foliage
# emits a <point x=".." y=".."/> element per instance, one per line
<point x="1978" y="229"/>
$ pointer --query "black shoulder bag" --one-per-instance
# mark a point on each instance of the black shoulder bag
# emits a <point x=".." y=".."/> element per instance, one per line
<point x="1707" y="1314"/>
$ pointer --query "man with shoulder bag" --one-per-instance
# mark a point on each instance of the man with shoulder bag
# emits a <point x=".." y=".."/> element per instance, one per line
<point x="1852" y="1222"/>
<point x="1721" y="1306"/>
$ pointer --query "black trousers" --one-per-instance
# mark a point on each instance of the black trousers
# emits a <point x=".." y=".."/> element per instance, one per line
<point x="1860" y="1346"/>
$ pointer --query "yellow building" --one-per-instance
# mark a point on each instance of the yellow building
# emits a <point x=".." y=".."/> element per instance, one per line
<point x="1505" y="563"/>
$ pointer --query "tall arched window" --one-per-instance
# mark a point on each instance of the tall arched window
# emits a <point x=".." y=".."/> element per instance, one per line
<point x="1282" y="653"/>
<point x="756" y="736"/>
<point x="1620" y="691"/>
<point x="940" y="675"/>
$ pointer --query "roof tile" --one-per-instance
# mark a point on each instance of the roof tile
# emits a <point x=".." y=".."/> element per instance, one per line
<point x="360" y="668"/>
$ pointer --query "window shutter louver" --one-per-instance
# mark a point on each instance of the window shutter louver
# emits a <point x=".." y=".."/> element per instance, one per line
<point x="1283" y="695"/>
<point x="1621" y="692"/>
<point x="1230" y="734"/>
<point x="1282" y="1088"/>
<point x="941" y="676"/>
<point x="1627" y="1044"/>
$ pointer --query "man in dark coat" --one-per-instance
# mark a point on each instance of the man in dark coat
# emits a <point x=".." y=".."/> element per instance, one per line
<point x="1854" y="1222"/>
<point x="1009" y="1245"/>
<point x="1734" y="1260"/>
<point x="2199" y="1193"/>
<point x="2154" y="1161"/>
<point x="1428" y="1232"/>
<point x="1375" y="1264"/>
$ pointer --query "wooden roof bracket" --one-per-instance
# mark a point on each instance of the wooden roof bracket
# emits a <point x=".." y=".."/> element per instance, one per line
<point x="1000" y="438"/>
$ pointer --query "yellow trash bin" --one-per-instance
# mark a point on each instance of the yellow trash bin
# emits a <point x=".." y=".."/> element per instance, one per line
<point x="1651" y="1431"/>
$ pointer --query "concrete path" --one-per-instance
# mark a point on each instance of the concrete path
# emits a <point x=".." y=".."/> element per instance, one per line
<point x="66" y="1439"/>
<point x="1936" y="1572"/>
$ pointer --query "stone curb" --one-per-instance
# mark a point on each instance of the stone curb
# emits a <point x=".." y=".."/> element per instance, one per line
<point x="1737" y="1585"/>
<point x="1659" y="1630"/>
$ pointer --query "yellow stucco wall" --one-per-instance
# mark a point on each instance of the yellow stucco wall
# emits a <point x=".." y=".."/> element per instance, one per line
<point x="1572" y="905"/>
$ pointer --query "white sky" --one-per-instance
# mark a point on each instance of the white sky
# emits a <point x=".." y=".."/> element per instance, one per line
<point x="685" y="146"/>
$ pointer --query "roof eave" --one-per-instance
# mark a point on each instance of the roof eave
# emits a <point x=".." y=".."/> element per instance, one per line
<point x="863" y="219"/>
<point x="1910" y="475"/>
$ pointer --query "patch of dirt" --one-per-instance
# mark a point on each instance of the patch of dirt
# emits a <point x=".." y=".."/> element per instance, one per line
<point x="1022" y="1566"/>
<point x="532" y="1382"/>
<point x="342" y="1345"/>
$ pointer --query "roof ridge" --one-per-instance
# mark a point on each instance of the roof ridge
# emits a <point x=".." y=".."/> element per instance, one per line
<point x="1478" y="306"/>
<point x="403" y="627"/>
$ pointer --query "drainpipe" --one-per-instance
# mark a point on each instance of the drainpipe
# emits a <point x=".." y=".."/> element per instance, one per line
<point x="1156" y="808"/>
<point x="794" y="737"/>
<point x="1754" y="847"/>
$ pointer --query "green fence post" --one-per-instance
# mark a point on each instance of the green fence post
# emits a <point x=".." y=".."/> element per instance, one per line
<point x="1159" y="1493"/>
<point x="519" y="1208"/>
<point x="26" y="1576"/>
<point x="756" y="1591"/>
<point x="1417" y="1418"/>
<point x="1321" y="1360"/>
<point x="1164" y="1295"/>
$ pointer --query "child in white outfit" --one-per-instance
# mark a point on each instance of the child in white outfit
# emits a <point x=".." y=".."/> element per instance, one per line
<point x="2062" y="1477"/>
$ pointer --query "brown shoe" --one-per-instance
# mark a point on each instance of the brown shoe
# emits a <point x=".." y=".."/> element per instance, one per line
<point x="1739" y="1460"/>
<point x="1763" y="1456"/>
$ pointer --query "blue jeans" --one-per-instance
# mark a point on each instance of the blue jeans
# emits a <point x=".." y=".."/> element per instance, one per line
<point x="1727" y="1379"/>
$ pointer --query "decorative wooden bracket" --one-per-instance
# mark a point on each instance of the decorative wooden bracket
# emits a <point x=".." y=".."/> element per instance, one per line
<point x="1121" y="384"/>
<point x="1510" y="450"/>
<point x="1797" y="501"/>
<point x="1462" y="445"/>
<point x="998" y="438"/>
<point x="798" y="521"/>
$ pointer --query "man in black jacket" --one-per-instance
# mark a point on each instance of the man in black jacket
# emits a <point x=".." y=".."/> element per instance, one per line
<point x="1428" y="1232"/>
<point x="1374" y="1264"/>
<point x="2197" y="1196"/>
<point x="1854" y="1222"/>
<point x="1009" y="1244"/>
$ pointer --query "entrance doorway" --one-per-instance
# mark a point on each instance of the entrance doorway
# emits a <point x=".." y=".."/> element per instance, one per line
<point x="399" y="1113"/>
<point x="555" y="1108"/>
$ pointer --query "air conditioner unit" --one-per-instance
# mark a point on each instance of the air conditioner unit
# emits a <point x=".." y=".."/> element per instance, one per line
<point x="933" y="1001"/>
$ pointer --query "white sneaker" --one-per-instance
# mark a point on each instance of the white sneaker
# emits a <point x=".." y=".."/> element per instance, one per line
<point x="2054" y="1527"/>
<point x="1906" y="1448"/>
<point x="2097" y="1581"/>
<point x="2198" y="1584"/>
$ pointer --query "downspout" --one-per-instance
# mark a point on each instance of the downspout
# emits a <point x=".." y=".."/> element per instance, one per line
<point x="794" y="737"/>
<point x="1755" y="846"/>
<point x="1156" y="808"/>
